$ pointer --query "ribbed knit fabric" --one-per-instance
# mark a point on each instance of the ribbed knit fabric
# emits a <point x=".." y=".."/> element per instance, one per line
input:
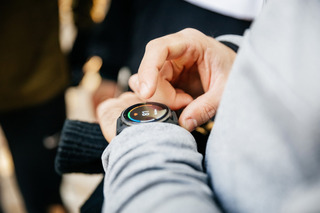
<point x="80" y="148"/>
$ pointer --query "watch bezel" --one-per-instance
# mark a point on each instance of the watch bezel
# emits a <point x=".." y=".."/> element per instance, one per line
<point x="129" y="122"/>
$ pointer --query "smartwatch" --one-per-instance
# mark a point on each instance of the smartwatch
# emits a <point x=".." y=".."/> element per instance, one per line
<point x="145" y="113"/>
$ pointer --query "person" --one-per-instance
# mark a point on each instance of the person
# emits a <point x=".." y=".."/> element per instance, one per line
<point x="263" y="151"/>
<point x="120" y="39"/>
<point x="33" y="77"/>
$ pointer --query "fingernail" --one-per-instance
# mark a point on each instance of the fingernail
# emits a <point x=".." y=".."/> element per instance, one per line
<point x="144" y="90"/>
<point x="190" y="124"/>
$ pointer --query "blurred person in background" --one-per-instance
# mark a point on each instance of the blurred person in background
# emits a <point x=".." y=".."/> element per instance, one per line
<point x="33" y="78"/>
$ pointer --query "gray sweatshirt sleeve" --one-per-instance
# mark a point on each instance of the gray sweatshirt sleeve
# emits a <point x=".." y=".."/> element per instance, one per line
<point x="266" y="151"/>
<point x="155" y="168"/>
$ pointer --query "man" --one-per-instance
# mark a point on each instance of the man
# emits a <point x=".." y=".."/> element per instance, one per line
<point x="263" y="153"/>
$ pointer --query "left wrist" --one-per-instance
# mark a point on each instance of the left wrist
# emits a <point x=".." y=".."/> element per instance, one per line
<point x="148" y="112"/>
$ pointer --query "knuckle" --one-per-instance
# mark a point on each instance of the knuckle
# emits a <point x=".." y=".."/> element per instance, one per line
<point x="208" y="112"/>
<point x="188" y="30"/>
<point x="151" y="44"/>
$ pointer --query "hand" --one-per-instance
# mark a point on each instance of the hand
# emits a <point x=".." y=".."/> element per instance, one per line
<point x="109" y="111"/>
<point x="188" y="69"/>
<point x="107" y="89"/>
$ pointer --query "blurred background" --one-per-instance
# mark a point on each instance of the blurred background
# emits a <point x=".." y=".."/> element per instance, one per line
<point x="75" y="188"/>
<point x="119" y="40"/>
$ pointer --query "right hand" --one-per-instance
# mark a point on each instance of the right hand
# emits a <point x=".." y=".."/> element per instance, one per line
<point x="188" y="69"/>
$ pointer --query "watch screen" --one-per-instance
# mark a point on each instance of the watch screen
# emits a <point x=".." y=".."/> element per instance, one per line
<point x="146" y="112"/>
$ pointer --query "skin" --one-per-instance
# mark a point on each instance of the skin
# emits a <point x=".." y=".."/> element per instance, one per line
<point x="186" y="69"/>
<point x="106" y="89"/>
<point x="183" y="70"/>
<point x="109" y="111"/>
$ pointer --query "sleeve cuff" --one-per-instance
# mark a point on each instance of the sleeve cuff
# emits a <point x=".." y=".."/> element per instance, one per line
<point x="232" y="41"/>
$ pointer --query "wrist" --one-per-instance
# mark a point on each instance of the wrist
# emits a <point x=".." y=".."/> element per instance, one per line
<point x="149" y="112"/>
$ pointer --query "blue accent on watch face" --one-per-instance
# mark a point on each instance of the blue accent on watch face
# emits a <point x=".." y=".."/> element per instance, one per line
<point x="132" y="118"/>
<point x="146" y="112"/>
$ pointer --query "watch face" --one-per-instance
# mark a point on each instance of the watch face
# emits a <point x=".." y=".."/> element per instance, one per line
<point x="145" y="112"/>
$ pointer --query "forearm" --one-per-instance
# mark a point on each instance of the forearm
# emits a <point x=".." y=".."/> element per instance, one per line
<point x="155" y="168"/>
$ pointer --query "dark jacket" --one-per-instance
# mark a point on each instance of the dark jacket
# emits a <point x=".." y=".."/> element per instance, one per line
<point x="32" y="67"/>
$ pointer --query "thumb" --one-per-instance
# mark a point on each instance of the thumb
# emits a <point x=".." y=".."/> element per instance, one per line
<point x="134" y="83"/>
<point x="199" y="111"/>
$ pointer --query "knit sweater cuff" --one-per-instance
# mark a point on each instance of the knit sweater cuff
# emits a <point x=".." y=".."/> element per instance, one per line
<point x="80" y="148"/>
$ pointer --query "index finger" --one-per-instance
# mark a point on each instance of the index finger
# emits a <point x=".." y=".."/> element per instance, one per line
<point x="157" y="52"/>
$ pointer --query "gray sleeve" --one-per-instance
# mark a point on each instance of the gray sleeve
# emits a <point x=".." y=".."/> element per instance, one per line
<point x="266" y="151"/>
<point x="155" y="168"/>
